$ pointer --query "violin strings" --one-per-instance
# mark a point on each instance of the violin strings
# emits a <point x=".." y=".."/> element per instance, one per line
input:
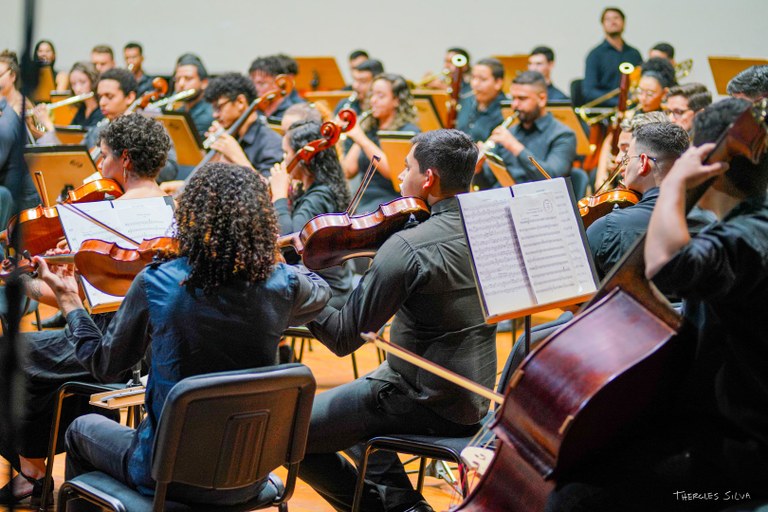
<point x="372" y="168"/>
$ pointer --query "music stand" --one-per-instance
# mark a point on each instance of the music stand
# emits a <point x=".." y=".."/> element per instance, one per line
<point x="513" y="66"/>
<point x="499" y="170"/>
<point x="46" y="83"/>
<point x="318" y="73"/>
<point x="440" y="100"/>
<point x="429" y="116"/>
<point x="725" y="68"/>
<point x="63" y="167"/>
<point x="330" y="98"/>
<point x="71" y="135"/>
<point x="63" y="115"/>
<point x="396" y="146"/>
<point x="186" y="139"/>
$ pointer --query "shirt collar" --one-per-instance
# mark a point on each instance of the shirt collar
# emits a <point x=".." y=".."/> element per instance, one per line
<point x="444" y="205"/>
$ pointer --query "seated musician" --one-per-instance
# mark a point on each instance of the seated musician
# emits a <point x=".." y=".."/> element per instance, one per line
<point x="707" y="449"/>
<point x="422" y="276"/>
<point x="102" y="58"/>
<point x="191" y="74"/>
<point x="362" y="79"/>
<point x="685" y="101"/>
<point x="391" y="110"/>
<point x="82" y="80"/>
<point x="322" y="189"/>
<point x="480" y="112"/>
<point x="355" y="58"/>
<point x="204" y="311"/>
<point x="751" y="84"/>
<point x="442" y="80"/>
<point x="601" y="74"/>
<point x="656" y="78"/>
<point x="135" y="148"/>
<point x="290" y="68"/>
<point x="300" y="112"/>
<point x="45" y="55"/>
<point x="537" y="134"/>
<point x="663" y="51"/>
<point x="133" y="54"/>
<point x="542" y="59"/>
<point x="263" y="72"/>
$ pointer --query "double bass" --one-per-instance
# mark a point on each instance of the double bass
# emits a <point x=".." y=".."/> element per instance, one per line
<point x="568" y="398"/>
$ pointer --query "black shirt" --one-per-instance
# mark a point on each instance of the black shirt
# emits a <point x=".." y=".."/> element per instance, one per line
<point x="555" y="94"/>
<point x="477" y="123"/>
<point x="602" y="70"/>
<point x="144" y="84"/>
<point x="262" y="146"/>
<point x="423" y="277"/>
<point x="292" y="99"/>
<point x="202" y="115"/>
<point x="86" y="122"/>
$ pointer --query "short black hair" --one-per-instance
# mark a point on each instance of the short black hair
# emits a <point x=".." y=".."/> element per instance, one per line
<point x="533" y="78"/>
<point x="710" y="123"/>
<point x="664" y="141"/>
<point x="546" y="51"/>
<point x="103" y="48"/>
<point x="145" y="140"/>
<point x="660" y="69"/>
<point x="190" y="59"/>
<point x="269" y="65"/>
<point x="752" y="83"/>
<point x="374" y="66"/>
<point x="356" y="54"/>
<point x="497" y="68"/>
<point x="450" y="153"/>
<point x="287" y="64"/>
<point x="686" y="90"/>
<point x="699" y="100"/>
<point x="614" y="9"/>
<point x="666" y="49"/>
<point x="230" y="86"/>
<point x="134" y="45"/>
<point x="123" y="77"/>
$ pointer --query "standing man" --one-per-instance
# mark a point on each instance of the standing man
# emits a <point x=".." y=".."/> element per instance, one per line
<point x="542" y="59"/>
<point x="537" y="134"/>
<point x="423" y="277"/>
<point x="133" y="54"/>
<point x="602" y="71"/>
<point x="102" y="58"/>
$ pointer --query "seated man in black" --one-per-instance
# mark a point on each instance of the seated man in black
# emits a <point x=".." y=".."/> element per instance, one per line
<point x="538" y="134"/>
<point x="480" y="111"/>
<point x="542" y="59"/>
<point x="191" y="74"/>
<point x="708" y="449"/>
<point x="422" y="276"/>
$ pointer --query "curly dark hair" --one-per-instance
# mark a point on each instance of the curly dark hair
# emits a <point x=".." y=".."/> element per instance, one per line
<point x="145" y="140"/>
<point x="230" y="86"/>
<point x="660" y="69"/>
<point x="226" y="226"/>
<point x="324" y="166"/>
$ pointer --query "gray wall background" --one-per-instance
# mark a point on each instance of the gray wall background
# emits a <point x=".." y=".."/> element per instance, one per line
<point x="409" y="36"/>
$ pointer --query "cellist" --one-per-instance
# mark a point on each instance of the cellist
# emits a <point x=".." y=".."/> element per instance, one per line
<point x="709" y="450"/>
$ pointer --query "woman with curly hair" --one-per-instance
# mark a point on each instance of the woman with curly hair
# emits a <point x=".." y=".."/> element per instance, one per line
<point x="391" y="110"/>
<point x="221" y="305"/>
<point x="322" y="189"/>
<point x="135" y="148"/>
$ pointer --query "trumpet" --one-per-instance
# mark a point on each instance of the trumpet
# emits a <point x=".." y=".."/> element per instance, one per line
<point x="444" y="76"/>
<point x="170" y="100"/>
<point x="509" y="121"/>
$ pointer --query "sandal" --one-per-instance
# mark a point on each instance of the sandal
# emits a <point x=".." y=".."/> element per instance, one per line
<point x="7" y="497"/>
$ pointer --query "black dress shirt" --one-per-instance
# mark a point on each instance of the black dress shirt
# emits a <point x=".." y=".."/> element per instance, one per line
<point x="86" y="122"/>
<point x="144" y="84"/>
<point x="423" y="276"/>
<point x="555" y="94"/>
<point x="602" y="71"/>
<point x="202" y="115"/>
<point x="262" y="145"/>
<point x="477" y="123"/>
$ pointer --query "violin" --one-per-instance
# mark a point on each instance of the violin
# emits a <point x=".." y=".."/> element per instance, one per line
<point x="159" y="89"/>
<point x="601" y="204"/>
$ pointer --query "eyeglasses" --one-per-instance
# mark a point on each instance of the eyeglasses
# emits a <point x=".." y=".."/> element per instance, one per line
<point x="627" y="158"/>
<point x="677" y="113"/>
<point x="217" y="107"/>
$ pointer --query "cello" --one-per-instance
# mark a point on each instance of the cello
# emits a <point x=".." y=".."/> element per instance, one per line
<point x="555" y="408"/>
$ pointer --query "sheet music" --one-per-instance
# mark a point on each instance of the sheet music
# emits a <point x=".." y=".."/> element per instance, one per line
<point x="135" y="218"/>
<point x="498" y="262"/>
<point x="550" y="240"/>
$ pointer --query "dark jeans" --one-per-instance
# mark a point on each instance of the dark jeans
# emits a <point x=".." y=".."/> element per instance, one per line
<point x="351" y="414"/>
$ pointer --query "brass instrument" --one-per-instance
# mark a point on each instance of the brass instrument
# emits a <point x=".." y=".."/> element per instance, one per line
<point x="626" y="69"/>
<point x="509" y="121"/>
<point x="444" y="75"/>
<point x="683" y="69"/>
<point x="170" y="100"/>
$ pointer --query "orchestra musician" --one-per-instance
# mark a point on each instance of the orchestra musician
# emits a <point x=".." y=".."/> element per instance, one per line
<point x="263" y="72"/>
<point x="102" y="58"/>
<point x="751" y="84"/>
<point x="133" y="55"/>
<point x="300" y="112"/>
<point x="322" y="189"/>
<point x="480" y="112"/>
<point x="442" y="80"/>
<point x="13" y="173"/>
<point x="45" y="54"/>
<point x="538" y="134"/>
<point x="82" y="79"/>
<point x="362" y="79"/>
<point x="355" y="58"/>
<point x="656" y="78"/>
<point x="392" y="110"/>
<point x="685" y="101"/>
<point x="290" y="68"/>
<point x="135" y="148"/>
<point x="191" y="74"/>
<point x="710" y="436"/>
<point x="422" y="276"/>
<point x="663" y="51"/>
<point x="601" y="74"/>
<point x="204" y="311"/>
<point x="9" y="82"/>
<point x="542" y="59"/>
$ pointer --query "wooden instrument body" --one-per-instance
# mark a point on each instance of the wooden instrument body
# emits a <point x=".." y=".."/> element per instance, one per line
<point x="592" y="208"/>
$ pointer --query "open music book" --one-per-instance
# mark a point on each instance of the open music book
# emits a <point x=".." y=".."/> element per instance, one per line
<point x="135" y="218"/>
<point x="528" y="248"/>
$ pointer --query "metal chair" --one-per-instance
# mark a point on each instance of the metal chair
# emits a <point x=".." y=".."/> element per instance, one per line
<point x="223" y="431"/>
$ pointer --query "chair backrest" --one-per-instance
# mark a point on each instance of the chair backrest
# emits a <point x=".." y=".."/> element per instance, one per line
<point x="579" y="180"/>
<point x="228" y="430"/>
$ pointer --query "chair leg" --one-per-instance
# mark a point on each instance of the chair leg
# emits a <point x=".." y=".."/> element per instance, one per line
<point x="422" y="471"/>
<point x="354" y="366"/>
<point x="52" y="442"/>
<point x="360" y="484"/>
<point x="37" y="319"/>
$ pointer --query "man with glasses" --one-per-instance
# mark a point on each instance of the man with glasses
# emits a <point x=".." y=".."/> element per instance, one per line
<point x="652" y="151"/>
<point x="683" y="101"/>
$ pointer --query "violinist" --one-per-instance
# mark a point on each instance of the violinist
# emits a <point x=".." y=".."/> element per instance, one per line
<point x="133" y="55"/>
<point x="422" y="276"/>
<point x="135" y="148"/>
<point x="480" y="112"/>
<point x="392" y="110"/>
<point x="322" y="189"/>
<point x="711" y="439"/>
<point x="204" y="311"/>
<point x="538" y="134"/>
<point x="191" y="74"/>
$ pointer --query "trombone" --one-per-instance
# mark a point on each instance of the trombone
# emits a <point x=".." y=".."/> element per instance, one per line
<point x="583" y="111"/>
